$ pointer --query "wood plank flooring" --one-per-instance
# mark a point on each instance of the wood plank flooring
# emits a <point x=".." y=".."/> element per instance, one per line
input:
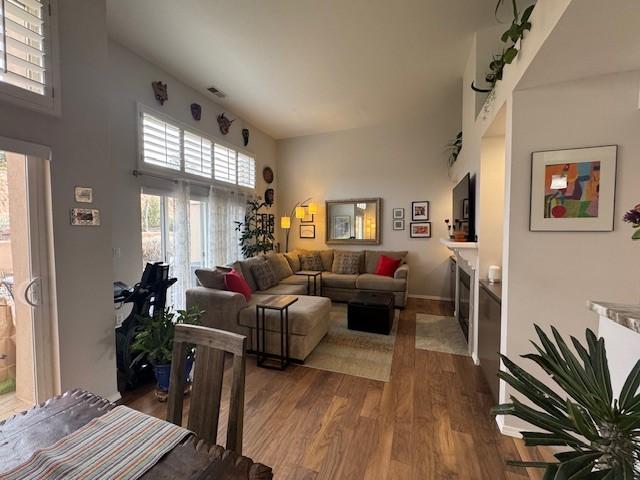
<point x="430" y="422"/>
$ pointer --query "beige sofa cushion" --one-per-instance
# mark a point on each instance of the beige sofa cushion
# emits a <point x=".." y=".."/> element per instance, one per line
<point x="346" y="262"/>
<point x="371" y="281"/>
<point x="304" y="315"/>
<point x="284" y="289"/>
<point x="211" y="278"/>
<point x="245" y="269"/>
<point x="338" y="280"/>
<point x="293" y="258"/>
<point x="264" y="275"/>
<point x="371" y="258"/>
<point x="279" y="264"/>
<point x="311" y="261"/>
<point x="294" y="280"/>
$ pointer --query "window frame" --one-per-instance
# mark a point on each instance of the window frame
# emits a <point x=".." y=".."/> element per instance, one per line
<point x="182" y="174"/>
<point x="50" y="102"/>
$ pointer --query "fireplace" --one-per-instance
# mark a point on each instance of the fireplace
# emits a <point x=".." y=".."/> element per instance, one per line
<point x="464" y="302"/>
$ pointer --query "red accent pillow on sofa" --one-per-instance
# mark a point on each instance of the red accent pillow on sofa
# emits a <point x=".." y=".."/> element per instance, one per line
<point x="235" y="282"/>
<point x="387" y="266"/>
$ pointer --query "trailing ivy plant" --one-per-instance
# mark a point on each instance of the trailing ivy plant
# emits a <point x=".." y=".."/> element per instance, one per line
<point x="454" y="148"/>
<point x="599" y="434"/>
<point x="255" y="235"/>
<point x="515" y="32"/>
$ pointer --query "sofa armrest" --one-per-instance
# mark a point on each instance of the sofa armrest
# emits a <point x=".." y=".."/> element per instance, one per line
<point x="221" y="307"/>
<point x="402" y="272"/>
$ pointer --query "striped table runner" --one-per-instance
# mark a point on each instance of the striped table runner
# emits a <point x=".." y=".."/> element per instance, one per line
<point x="121" y="444"/>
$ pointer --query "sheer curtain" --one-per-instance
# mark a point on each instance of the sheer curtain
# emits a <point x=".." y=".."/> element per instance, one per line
<point x="225" y="209"/>
<point x="182" y="259"/>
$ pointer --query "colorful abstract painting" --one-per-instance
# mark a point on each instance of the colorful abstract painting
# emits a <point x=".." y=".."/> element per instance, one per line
<point x="572" y="190"/>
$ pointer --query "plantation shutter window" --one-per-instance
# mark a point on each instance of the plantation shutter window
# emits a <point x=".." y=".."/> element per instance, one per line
<point x="224" y="164"/>
<point x="160" y="143"/>
<point x="23" y="61"/>
<point x="246" y="171"/>
<point x="197" y="155"/>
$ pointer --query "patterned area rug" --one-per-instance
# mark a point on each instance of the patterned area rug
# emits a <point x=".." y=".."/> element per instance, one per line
<point x="440" y="334"/>
<point x="361" y="354"/>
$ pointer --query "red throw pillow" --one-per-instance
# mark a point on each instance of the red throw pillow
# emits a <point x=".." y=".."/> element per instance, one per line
<point x="235" y="282"/>
<point x="387" y="266"/>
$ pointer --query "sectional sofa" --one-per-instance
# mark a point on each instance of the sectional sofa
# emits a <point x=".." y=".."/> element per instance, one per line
<point x="309" y="316"/>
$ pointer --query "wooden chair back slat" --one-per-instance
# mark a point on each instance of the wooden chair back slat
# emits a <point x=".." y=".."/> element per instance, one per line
<point x="208" y="375"/>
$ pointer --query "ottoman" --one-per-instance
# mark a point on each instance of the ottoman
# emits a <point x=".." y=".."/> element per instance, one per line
<point x="371" y="312"/>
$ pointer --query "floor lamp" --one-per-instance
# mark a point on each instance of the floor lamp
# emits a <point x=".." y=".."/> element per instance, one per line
<point x="299" y="210"/>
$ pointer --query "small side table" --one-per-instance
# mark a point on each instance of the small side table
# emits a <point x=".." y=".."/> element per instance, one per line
<point x="281" y="304"/>
<point x="317" y="278"/>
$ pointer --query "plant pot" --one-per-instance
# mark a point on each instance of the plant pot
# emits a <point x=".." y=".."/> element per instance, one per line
<point x="460" y="237"/>
<point x="162" y="373"/>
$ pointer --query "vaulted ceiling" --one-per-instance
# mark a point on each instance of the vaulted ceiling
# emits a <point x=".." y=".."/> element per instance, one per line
<point x="299" y="67"/>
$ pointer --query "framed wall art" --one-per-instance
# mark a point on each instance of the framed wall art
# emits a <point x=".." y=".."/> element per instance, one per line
<point x="83" y="194"/>
<point x="398" y="213"/>
<point x="419" y="211"/>
<point x="420" y="230"/>
<point x="398" y="224"/>
<point x="573" y="190"/>
<point x="85" y="217"/>
<point x="307" y="231"/>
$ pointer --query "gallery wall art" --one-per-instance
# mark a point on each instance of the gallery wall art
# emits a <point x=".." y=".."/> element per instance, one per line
<point x="573" y="190"/>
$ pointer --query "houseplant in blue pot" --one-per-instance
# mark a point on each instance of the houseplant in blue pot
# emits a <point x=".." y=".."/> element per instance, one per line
<point x="154" y="342"/>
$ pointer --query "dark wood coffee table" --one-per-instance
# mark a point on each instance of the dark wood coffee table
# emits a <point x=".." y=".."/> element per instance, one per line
<point x="371" y="312"/>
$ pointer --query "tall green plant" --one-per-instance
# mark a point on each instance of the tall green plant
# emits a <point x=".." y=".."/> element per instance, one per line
<point x="600" y="433"/>
<point x="255" y="235"/>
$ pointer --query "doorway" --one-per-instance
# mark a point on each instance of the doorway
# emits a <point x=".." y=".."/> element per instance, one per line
<point x="28" y="337"/>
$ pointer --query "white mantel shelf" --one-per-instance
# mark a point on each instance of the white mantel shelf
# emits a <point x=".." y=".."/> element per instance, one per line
<point x="466" y="251"/>
<point x="451" y="245"/>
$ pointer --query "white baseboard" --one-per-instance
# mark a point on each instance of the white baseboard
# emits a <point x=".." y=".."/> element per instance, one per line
<point x="507" y="429"/>
<point x="431" y="297"/>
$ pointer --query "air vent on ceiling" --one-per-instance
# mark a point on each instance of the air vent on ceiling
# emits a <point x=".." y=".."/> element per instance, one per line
<point x="216" y="92"/>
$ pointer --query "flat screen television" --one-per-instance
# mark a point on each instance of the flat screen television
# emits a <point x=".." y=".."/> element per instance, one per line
<point x="464" y="210"/>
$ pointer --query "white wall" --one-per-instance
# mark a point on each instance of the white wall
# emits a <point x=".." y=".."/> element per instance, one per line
<point x="130" y="83"/>
<point x="399" y="162"/>
<point x="79" y="142"/>
<point x="553" y="274"/>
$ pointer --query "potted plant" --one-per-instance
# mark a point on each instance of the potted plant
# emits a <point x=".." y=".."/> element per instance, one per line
<point x="154" y="342"/>
<point x="599" y="435"/>
<point x="633" y="217"/>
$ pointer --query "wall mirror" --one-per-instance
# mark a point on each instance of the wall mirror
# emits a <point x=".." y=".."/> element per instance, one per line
<point x="355" y="221"/>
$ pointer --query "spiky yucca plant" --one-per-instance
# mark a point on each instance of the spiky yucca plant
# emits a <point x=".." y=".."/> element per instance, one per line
<point x="600" y="435"/>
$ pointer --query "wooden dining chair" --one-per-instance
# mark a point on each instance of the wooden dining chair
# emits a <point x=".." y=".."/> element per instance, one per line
<point x="204" y="409"/>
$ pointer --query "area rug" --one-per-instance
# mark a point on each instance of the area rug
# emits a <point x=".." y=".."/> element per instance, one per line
<point x="361" y="354"/>
<point x="440" y="334"/>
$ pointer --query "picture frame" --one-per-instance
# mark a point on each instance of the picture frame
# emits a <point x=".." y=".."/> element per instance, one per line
<point x="420" y="230"/>
<point x="573" y="190"/>
<point x="83" y="194"/>
<point x="84" y="217"/>
<point x="465" y="209"/>
<point x="420" y="211"/>
<point x="308" y="217"/>
<point x="307" y="231"/>
<point x="398" y="213"/>
<point x="398" y="224"/>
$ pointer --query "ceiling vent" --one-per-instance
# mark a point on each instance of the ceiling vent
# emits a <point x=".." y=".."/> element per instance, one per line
<point x="216" y="92"/>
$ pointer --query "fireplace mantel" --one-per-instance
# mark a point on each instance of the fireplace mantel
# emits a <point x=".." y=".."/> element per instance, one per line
<point x="465" y="251"/>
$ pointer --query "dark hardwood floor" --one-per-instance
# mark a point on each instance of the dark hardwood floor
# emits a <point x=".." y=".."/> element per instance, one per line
<point x="430" y="422"/>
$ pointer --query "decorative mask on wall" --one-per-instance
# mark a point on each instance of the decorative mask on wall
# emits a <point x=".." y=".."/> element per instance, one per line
<point x="160" y="91"/>
<point x="269" y="196"/>
<point x="224" y="123"/>
<point x="245" y="136"/>
<point x="196" y="111"/>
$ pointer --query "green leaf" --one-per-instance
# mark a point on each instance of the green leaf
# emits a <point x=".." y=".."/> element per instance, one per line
<point x="630" y="387"/>
<point x="569" y="468"/>
<point x="527" y="13"/>
<point x="636" y="235"/>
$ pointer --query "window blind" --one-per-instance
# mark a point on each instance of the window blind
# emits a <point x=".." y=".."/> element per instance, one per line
<point x="160" y="143"/>
<point x="224" y="164"/>
<point x="246" y="171"/>
<point x="197" y="155"/>
<point x="22" y="44"/>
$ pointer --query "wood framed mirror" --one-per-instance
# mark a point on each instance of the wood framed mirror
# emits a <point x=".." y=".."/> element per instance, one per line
<point x="353" y="222"/>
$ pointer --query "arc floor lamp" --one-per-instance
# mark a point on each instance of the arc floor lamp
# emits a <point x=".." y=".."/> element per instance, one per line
<point x="298" y="211"/>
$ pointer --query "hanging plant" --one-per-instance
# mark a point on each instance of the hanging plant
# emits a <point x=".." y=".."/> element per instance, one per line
<point x="519" y="25"/>
<point x="454" y="147"/>
<point x="633" y="217"/>
<point x="599" y="434"/>
<point x="256" y="235"/>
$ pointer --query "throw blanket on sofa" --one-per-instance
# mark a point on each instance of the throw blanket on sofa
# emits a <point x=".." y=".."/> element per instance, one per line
<point x="121" y="444"/>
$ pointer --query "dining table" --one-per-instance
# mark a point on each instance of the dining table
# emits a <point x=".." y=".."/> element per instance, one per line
<point x="45" y="424"/>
